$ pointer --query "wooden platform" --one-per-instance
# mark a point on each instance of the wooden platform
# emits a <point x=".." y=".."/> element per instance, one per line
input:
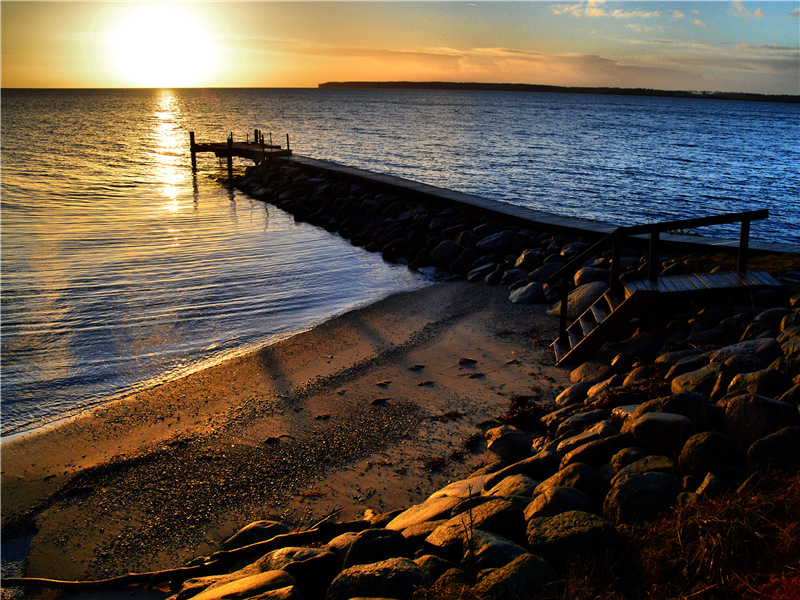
<point x="612" y="310"/>
<point x="252" y="151"/>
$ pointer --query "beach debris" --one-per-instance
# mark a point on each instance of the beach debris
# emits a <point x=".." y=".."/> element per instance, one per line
<point x="476" y="375"/>
<point x="378" y="401"/>
<point x="426" y="383"/>
<point x="383" y="384"/>
<point x="465" y="362"/>
<point x="416" y="368"/>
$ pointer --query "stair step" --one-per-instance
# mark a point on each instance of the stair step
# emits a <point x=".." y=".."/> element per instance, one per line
<point x="586" y="326"/>
<point x="599" y="315"/>
<point x="574" y="340"/>
<point x="560" y="351"/>
<point x="612" y="301"/>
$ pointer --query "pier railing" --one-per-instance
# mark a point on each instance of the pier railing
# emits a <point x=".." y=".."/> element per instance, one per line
<point x="616" y="238"/>
<point x="261" y="148"/>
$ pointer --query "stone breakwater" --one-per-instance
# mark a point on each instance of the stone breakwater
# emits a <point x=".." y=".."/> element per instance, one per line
<point x="687" y="404"/>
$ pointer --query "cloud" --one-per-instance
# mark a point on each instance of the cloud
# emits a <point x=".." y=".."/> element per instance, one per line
<point x="594" y="8"/>
<point x="795" y="13"/>
<point x="635" y="14"/>
<point x="738" y="10"/>
<point x="699" y="23"/>
<point x="676" y="14"/>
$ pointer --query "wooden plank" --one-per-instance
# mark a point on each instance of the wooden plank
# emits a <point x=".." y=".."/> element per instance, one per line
<point x="763" y="278"/>
<point x="669" y="285"/>
<point x="682" y="284"/>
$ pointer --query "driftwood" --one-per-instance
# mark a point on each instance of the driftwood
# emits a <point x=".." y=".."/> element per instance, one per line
<point x="212" y="565"/>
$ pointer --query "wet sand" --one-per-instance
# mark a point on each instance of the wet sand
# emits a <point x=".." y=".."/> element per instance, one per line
<point x="369" y="411"/>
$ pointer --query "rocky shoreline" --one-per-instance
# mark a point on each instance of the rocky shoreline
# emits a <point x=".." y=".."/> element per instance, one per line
<point x="687" y="404"/>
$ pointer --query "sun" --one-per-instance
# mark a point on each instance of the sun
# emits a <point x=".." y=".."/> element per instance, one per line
<point x="162" y="46"/>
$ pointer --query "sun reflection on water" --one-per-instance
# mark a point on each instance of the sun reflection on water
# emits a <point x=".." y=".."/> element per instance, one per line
<point x="167" y="154"/>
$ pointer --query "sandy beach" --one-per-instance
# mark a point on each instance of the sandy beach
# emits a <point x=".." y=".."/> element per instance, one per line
<point x="369" y="411"/>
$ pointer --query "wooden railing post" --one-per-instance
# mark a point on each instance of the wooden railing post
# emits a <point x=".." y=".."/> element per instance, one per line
<point x="562" y="326"/>
<point x="616" y="256"/>
<point x="652" y="268"/>
<point x="192" y="151"/>
<point x="744" y="245"/>
<point x="230" y="159"/>
<point x="287" y="141"/>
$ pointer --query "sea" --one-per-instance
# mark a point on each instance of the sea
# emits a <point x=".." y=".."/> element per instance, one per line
<point x="122" y="269"/>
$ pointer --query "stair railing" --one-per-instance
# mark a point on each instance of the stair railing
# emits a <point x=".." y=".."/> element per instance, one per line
<point x="616" y="237"/>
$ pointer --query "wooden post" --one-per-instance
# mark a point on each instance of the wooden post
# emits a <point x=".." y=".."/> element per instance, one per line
<point x="616" y="255"/>
<point x="255" y="136"/>
<point x="652" y="268"/>
<point x="230" y="159"/>
<point x="562" y="325"/>
<point x="287" y="141"/>
<point x="744" y="245"/>
<point x="192" y="151"/>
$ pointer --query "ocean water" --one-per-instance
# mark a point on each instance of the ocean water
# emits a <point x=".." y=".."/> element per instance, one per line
<point x="122" y="269"/>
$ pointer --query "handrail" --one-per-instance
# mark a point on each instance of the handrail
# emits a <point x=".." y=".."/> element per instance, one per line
<point x="653" y="229"/>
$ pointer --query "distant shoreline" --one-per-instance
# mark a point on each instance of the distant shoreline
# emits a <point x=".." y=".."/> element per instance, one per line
<point x="526" y="87"/>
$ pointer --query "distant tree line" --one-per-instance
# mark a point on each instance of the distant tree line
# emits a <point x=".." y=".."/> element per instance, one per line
<point x="527" y="87"/>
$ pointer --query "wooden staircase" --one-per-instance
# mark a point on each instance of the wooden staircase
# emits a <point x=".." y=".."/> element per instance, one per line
<point x="613" y="310"/>
<point x="626" y="299"/>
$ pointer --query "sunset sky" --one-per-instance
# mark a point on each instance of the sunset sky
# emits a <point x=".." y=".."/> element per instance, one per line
<point x="719" y="46"/>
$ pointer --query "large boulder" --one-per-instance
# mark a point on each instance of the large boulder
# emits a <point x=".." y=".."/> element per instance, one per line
<point x="711" y="452"/>
<point x="497" y="243"/>
<point x="556" y="500"/>
<point x="257" y="531"/>
<point x="248" y="587"/>
<point x="509" y="442"/>
<point x="524" y="577"/>
<point x="430" y="510"/>
<point x="581" y="477"/>
<point x="373" y="545"/>
<point x="514" y="485"/>
<point x="491" y="551"/>
<point x="751" y="417"/>
<point x="766" y="349"/>
<point x="568" y="535"/>
<point x="766" y="382"/>
<point x="580" y="299"/>
<point x="532" y="293"/>
<point x="601" y="429"/>
<point x="662" y="432"/>
<point x="701" y="380"/>
<point x="395" y="578"/>
<point x="779" y="450"/>
<point x="640" y="497"/>
<point x="539" y="466"/>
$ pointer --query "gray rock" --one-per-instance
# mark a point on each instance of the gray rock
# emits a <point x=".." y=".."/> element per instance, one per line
<point x="396" y="578"/>
<point x="603" y="386"/>
<point x="597" y="452"/>
<point x="539" y="466"/>
<point x="750" y="417"/>
<point x="446" y="252"/>
<point x="640" y="497"/>
<point x="509" y="442"/>
<point x="677" y="355"/>
<point x="779" y="450"/>
<point x="772" y="317"/>
<point x="599" y="430"/>
<point x="498" y="243"/>
<point x="531" y="293"/>
<point x="653" y="463"/>
<point x="639" y="375"/>
<point x="341" y="543"/>
<point x="662" y="432"/>
<point x="581" y="477"/>
<point x="591" y="274"/>
<point x="767" y="349"/>
<point x="625" y="457"/>
<point x="581" y="298"/>
<point x="543" y="273"/>
<point x="591" y="370"/>
<point x="430" y="510"/>
<point x="433" y="567"/>
<point x="373" y="545"/>
<point x="312" y="568"/>
<point x="529" y="260"/>
<point x="513" y="276"/>
<point x="514" y="485"/>
<point x="491" y="551"/>
<point x="416" y="534"/>
<point x="523" y="577"/>
<point x="480" y="272"/>
<point x="576" y="393"/>
<point x="766" y="382"/>
<point x="688" y="364"/>
<point x="573" y="532"/>
<point x="556" y="500"/>
<point x="711" y="451"/>
<point x="258" y="531"/>
<point x="582" y="420"/>
<point x="464" y="488"/>
<point x="692" y="405"/>
<point x="791" y="396"/>
<point x="702" y="380"/>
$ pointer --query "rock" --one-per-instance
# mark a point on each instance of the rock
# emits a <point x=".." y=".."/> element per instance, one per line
<point x="433" y="567"/>
<point x="581" y="477"/>
<point x="416" y="534"/>
<point x="556" y="500"/>
<point x="692" y="405"/>
<point x="491" y="551"/>
<point x="568" y="534"/>
<point x="591" y="370"/>
<point x="688" y="364"/>
<point x="341" y="543"/>
<point x="524" y="577"/>
<point x="750" y="417"/>
<point x="772" y="317"/>
<point x="766" y="382"/>
<point x="591" y="274"/>
<point x="711" y="451"/>
<point x="312" y="568"/>
<point x="677" y="355"/>
<point x="514" y="485"/>
<point x="539" y="466"/>
<point x="582" y="420"/>
<point x="509" y="443"/>
<point x="662" y="432"/>
<point x="464" y="488"/>
<point x="498" y="516"/>
<point x="452" y="578"/>
<point x="430" y="510"/>
<point x="597" y="452"/>
<point x="480" y="272"/>
<point x="791" y="396"/>
<point x="639" y="374"/>
<point x="531" y="293"/>
<point x="248" y="587"/>
<point x="766" y="349"/>
<point x="581" y="298"/>
<point x="603" y="386"/>
<point x="465" y="261"/>
<point x="702" y="380"/>
<point x="513" y="276"/>
<point x="625" y="457"/>
<point x="373" y="545"/>
<point x="620" y="415"/>
<point x="498" y="243"/>
<point x="648" y="464"/>
<point x="394" y="578"/>
<point x="529" y="260"/>
<point x="445" y="253"/>
<point x="779" y="450"/>
<point x="543" y="273"/>
<point x="257" y="531"/>
<point x="599" y="430"/>
<point x="575" y="394"/>
<point x="639" y="497"/>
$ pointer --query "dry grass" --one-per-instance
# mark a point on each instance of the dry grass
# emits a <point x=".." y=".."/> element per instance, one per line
<point x="774" y="263"/>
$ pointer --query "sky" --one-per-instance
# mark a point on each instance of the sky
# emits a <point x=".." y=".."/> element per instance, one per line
<point x="696" y="46"/>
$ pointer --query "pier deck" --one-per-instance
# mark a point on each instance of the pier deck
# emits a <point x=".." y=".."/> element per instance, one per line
<point x="257" y="150"/>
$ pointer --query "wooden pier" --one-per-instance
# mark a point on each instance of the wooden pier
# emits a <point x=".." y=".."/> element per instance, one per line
<point x="258" y="150"/>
